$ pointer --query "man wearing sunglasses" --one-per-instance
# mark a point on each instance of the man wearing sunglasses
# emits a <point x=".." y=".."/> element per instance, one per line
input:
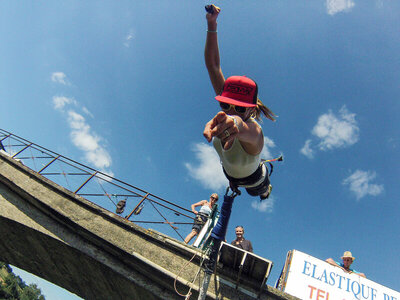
<point x="236" y="135"/>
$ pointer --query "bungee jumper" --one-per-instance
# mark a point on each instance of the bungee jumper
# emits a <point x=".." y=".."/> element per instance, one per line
<point x="234" y="131"/>
<point x="237" y="138"/>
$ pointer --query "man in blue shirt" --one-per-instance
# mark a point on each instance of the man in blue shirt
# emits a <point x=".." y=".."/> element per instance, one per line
<point x="347" y="259"/>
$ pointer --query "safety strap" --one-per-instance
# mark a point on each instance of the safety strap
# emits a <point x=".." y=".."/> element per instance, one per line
<point x="246" y="180"/>
<point x="251" y="179"/>
<point x="270" y="164"/>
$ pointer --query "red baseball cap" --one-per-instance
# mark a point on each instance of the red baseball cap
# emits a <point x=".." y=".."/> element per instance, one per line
<point x="239" y="90"/>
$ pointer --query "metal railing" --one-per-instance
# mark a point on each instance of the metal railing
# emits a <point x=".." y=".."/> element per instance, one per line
<point x="102" y="189"/>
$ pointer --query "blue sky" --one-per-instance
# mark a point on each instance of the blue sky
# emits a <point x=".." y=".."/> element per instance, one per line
<point x="122" y="86"/>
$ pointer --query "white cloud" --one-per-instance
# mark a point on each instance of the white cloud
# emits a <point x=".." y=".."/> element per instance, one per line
<point x="360" y="184"/>
<point x="336" y="132"/>
<point x="129" y="38"/>
<point x="84" y="139"/>
<point x="333" y="131"/>
<point x="209" y="171"/>
<point x="266" y="205"/>
<point x="59" y="77"/>
<point x="307" y="150"/>
<point x="81" y="134"/>
<point x="86" y="111"/>
<point x="335" y="6"/>
<point x="100" y="158"/>
<point x="59" y="102"/>
<point x="268" y="144"/>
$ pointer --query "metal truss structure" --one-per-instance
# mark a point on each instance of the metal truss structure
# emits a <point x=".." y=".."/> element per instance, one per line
<point x="102" y="189"/>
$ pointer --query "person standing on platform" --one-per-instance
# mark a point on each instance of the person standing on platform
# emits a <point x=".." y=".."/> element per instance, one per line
<point x="240" y="241"/>
<point x="201" y="215"/>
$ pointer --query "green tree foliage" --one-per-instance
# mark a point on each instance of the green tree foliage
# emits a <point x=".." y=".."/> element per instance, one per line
<point x="31" y="292"/>
<point x="12" y="287"/>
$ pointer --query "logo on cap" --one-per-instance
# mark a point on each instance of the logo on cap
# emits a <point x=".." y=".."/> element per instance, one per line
<point x="238" y="89"/>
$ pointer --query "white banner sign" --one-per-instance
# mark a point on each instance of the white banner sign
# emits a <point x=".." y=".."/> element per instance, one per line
<point x="312" y="278"/>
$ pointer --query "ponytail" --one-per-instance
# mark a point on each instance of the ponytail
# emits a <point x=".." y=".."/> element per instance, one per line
<point x="261" y="108"/>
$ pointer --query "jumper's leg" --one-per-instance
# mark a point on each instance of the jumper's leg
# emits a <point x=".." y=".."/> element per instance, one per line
<point x="219" y="231"/>
<point x="217" y="235"/>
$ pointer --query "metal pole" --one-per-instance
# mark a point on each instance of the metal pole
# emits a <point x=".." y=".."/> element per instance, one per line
<point x="141" y="201"/>
<point x="55" y="158"/>
<point x="85" y="182"/>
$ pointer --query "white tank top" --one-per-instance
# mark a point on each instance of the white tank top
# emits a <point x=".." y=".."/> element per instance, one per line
<point x="236" y="161"/>
<point x="205" y="209"/>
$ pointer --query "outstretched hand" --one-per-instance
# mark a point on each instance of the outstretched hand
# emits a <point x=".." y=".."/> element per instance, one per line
<point x="223" y="127"/>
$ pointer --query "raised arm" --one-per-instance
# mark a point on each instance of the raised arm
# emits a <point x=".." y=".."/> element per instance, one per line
<point x="200" y="203"/>
<point x="211" y="52"/>
<point x="332" y="262"/>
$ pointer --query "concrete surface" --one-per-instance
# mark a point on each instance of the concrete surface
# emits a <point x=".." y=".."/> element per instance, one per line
<point x="96" y="254"/>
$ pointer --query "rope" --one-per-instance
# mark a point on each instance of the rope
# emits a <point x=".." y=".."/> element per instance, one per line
<point x="205" y="252"/>
<point x="105" y="193"/>
<point x="188" y="294"/>
<point x="33" y="159"/>
<point x="65" y="175"/>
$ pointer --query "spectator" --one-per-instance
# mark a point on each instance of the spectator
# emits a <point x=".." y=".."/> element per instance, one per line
<point x="240" y="241"/>
<point x="201" y="215"/>
<point x="347" y="259"/>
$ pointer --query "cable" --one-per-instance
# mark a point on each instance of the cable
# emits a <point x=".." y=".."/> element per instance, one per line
<point x="105" y="193"/>
<point x="169" y="223"/>
<point x="188" y="294"/>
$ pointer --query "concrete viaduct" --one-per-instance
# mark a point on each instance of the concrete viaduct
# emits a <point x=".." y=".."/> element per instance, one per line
<point x="51" y="232"/>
